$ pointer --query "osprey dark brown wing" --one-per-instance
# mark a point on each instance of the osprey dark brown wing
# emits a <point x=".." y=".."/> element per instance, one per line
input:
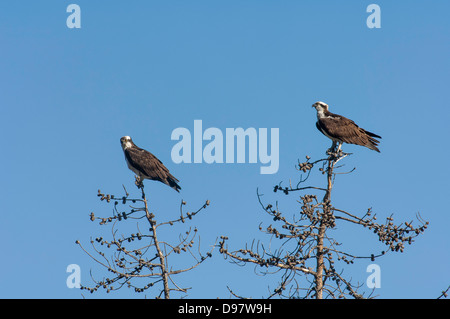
<point x="344" y="130"/>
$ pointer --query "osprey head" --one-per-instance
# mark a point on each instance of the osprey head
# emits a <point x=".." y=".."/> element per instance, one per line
<point x="320" y="106"/>
<point x="126" y="142"/>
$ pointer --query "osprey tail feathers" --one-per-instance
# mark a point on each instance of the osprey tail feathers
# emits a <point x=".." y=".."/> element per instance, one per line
<point x="372" y="147"/>
<point x="372" y="143"/>
<point x="172" y="182"/>
<point x="372" y="134"/>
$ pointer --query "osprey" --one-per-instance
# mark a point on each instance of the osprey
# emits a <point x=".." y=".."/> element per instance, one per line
<point x="145" y="165"/>
<point x="342" y="130"/>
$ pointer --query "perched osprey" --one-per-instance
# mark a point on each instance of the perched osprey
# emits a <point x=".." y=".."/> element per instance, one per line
<point x="145" y="165"/>
<point x="342" y="130"/>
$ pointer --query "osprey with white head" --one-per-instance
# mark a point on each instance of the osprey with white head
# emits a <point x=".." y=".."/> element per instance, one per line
<point x="343" y="130"/>
<point x="145" y="165"/>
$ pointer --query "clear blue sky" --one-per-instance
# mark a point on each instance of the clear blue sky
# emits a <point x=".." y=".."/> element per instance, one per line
<point x="144" y="68"/>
